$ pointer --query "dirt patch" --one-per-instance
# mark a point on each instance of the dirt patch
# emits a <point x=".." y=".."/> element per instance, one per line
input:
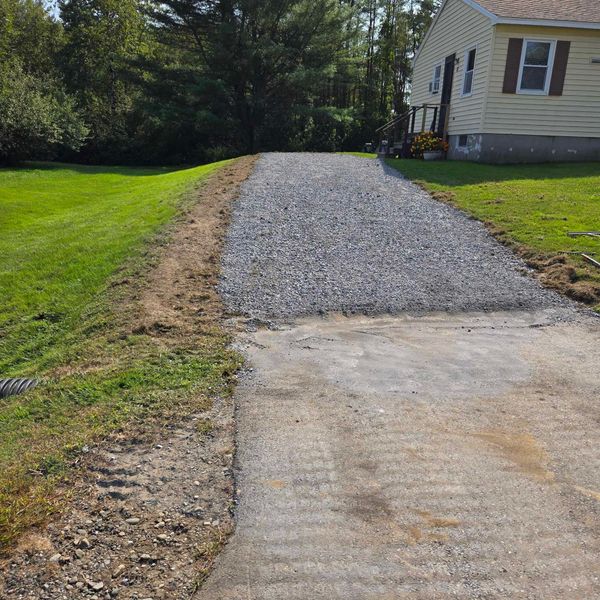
<point x="557" y="272"/>
<point x="447" y="197"/>
<point x="148" y="509"/>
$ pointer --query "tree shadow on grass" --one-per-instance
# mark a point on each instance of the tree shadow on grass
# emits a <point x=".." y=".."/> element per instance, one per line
<point x="458" y="173"/>
<point x="128" y="171"/>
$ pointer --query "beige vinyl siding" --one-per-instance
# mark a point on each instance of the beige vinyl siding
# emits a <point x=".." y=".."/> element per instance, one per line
<point x="575" y="113"/>
<point x="458" y="29"/>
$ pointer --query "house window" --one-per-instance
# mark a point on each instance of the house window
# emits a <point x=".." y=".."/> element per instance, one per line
<point x="536" y="66"/>
<point x="463" y="141"/>
<point x="434" y="86"/>
<point x="469" y="71"/>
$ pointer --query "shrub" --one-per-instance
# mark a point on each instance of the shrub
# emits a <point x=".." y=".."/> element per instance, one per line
<point x="427" y="141"/>
<point x="37" y="117"/>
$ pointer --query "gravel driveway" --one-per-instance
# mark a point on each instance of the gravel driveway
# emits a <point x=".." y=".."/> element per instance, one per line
<point x="318" y="233"/>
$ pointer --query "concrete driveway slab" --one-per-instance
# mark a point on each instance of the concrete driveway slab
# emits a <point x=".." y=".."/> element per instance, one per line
<point x="434" y="457"/>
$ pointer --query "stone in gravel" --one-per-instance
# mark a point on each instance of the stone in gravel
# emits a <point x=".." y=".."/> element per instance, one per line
<point x="79" y="553"/>
<point x="95" y="585"/>
<point x="55" y="558"/>
<point x="146" y="558"/>
<point x="83" y="543"/>
<point x="132" y="521"/>
<point x="118" y="571"/>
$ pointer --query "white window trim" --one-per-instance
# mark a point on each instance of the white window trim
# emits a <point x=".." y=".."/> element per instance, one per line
<point x="466" y="64"/>
<point x="549" y="72"/>
<point x="441" y="66"/>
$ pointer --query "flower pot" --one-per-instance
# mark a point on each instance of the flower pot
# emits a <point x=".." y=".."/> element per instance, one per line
<point x="435" y="155"/>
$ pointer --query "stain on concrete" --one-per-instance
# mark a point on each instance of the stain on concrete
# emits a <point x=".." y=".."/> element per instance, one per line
<point x="433" y="521"/>
<point x="276" y="484"/>
<point x="521" y="449"/>
<point x="591" y="493"/>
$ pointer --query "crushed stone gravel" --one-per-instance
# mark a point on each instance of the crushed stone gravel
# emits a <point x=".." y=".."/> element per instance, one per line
<point x="320" y="233"/>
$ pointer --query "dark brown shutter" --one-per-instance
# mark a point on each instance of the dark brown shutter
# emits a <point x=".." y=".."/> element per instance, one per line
<point x="513" y="62"/>
<point x="561" y="58"/>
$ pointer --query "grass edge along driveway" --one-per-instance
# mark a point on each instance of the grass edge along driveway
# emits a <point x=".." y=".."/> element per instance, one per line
<point x="77" y="242"/>
<point x="529" y="208"/>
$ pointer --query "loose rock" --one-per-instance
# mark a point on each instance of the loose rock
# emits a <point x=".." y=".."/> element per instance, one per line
<point x="118" y="571"/>
<point x="95" y="585"/>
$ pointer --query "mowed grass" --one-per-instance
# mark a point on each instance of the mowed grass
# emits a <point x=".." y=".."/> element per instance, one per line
<point x="63" y="231"/>
<point x="67" y="234"/>
<point x="531" y="207"/>
<point x="360" y="154"/>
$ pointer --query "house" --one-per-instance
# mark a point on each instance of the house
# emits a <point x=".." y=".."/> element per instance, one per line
<point x="512" y="80"/>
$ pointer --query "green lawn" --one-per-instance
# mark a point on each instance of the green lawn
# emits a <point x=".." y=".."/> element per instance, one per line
<point x="360" y="154"/>
<point x="66" y="232"/>
<point x="531" y="207"/>
<point x="63" y="231"/>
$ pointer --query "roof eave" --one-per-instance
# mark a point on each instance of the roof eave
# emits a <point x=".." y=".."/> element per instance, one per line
<point x="470" y="3"/>
<point x="484" y="11"/>
<point x="545" y="23"/>
<point x="497" y="20"/>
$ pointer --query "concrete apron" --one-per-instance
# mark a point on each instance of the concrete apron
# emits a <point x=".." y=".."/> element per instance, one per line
<point x="446" y="456"/>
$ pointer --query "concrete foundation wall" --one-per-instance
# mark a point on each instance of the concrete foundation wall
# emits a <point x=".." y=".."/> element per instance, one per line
<point x="507" y="148"/>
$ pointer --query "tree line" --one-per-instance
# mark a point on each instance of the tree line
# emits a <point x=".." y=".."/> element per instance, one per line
<point x="191" y="81"/>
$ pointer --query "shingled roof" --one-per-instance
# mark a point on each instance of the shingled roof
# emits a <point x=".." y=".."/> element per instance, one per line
<point x="576" y="11"/>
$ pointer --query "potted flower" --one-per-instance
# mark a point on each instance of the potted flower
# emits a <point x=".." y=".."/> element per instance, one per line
<point x="429" y="146"/>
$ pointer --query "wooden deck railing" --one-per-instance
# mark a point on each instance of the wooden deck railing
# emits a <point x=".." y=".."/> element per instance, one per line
<point x="398" y="132"/>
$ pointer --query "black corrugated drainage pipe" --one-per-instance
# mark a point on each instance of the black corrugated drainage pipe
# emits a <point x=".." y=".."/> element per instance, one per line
<point x="13" y="387"/>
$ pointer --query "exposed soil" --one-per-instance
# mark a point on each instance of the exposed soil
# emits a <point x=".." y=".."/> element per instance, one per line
<point x="148" y="509"/>
<point x="557" y="272"/>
